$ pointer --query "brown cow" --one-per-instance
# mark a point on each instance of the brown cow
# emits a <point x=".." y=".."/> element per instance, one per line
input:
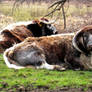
<point x="40" y="52"/>
<point x="52" y="52"/>
<point x="17" y="32"/>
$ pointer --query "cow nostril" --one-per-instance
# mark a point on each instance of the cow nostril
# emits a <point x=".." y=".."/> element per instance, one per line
<point x="56" y="32"/>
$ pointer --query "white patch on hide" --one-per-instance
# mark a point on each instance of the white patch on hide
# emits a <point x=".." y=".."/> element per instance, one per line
<point x="64" y="34"/>
<point x="12" y="26"/>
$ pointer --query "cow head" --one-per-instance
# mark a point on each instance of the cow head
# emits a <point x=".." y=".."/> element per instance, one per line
<point x="82" y="41"/>
<point x="17" y="32"/>
<point x="42" y="27"/>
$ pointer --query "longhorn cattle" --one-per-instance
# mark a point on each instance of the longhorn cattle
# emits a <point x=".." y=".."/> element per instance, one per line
<point x="17" y="32"/>
<point x="54" y="52"/>
<point x="82" y="42"/>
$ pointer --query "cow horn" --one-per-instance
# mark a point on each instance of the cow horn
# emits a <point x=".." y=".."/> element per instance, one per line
<point x="48" y="22"/>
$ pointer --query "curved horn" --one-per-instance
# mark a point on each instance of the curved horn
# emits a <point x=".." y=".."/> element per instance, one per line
<point x="74" y="41"/>
<point x="48" y="22"/>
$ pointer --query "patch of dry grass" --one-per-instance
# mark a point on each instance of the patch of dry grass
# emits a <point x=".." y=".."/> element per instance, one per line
<point x="77" y="15"/>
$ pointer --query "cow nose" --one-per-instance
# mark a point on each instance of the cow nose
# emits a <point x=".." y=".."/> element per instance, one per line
<point x="56" y="32"/>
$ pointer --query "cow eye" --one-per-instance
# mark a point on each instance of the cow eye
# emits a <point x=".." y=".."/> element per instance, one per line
<point x="85" y="37"/>
<point x="50" y="27"/>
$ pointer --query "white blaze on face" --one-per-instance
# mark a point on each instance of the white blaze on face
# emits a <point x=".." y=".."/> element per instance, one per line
<point x="52" y="28"/>
<point x="89" y="41"/>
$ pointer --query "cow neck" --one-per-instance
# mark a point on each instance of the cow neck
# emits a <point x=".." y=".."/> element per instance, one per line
<point x="35" y="29"/>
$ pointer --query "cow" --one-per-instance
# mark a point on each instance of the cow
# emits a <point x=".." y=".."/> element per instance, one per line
<point x="17" y="32"/>
<point x="56" y="52"/>
<point x="82" y="42"/>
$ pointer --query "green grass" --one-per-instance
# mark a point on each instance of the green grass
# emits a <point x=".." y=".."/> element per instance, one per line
<point x="43" y="78"/>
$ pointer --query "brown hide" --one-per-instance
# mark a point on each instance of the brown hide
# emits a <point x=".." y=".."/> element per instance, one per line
<point x="17" y="32"/>
<point x="87" y="29"/>
<point x="82" y="41"/>
<point x="21" y="32"/>
<point x="10" y="37"/>
<point x="57" y="49"/>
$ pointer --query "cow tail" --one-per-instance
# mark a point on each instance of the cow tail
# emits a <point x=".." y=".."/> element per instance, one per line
<point x="8" y="58"/>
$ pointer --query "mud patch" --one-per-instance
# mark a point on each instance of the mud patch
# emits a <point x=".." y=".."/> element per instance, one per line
<point x="30" y="88"/>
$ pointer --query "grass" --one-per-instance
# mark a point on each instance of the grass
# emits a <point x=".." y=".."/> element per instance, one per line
<point x="24" y="12"/>
<point x="77" y="16"/>
<point x="10" y="78"/>
<point x="35" y="11"/>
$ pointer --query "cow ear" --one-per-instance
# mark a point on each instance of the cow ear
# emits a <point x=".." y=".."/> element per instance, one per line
<point x="44" y="19"/>
<point x="36" y="22"/>
<point x="41" y="24"/>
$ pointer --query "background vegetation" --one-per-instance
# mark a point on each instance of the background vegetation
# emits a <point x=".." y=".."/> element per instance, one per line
<point x="78" y="14"/>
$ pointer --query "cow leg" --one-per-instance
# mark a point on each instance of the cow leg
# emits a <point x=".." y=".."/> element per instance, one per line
<point x="34" y="57"/>
<point x="15" y="66"/>
<point x="12" y="65"/>
<point x="45" y="65"/>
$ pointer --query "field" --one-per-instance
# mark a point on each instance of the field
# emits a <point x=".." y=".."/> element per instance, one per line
<point x="27" y="80"/>
<point x="33" y="80"/>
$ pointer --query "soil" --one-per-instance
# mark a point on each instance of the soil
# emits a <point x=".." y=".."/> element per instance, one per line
<point x="22" y="89"/>
<point x="30" y="88"/>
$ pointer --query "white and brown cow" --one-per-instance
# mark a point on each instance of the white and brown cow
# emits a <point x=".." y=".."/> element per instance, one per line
<point x="17" y="32"/>
<point x="82" y="42"/>
<point x="52" y="52"/>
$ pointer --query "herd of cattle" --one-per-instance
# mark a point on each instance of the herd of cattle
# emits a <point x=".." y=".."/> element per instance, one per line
<point x="23" y="46"/>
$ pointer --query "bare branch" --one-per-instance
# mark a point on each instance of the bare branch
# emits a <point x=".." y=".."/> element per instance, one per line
<point x="14" y="5"/>
<point x="55" y="9"/>
<point x="58" y="5"/>
<point x="57" y="2"/>
<point x="64" y="17"/>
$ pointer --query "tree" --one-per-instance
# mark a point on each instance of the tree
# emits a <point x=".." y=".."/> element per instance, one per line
<point x="58" y="5"/>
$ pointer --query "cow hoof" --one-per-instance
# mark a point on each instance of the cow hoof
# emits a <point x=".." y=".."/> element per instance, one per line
<point x="59" y="68"/>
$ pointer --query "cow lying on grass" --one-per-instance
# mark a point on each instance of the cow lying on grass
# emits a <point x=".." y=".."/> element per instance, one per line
<point x="54" y="52"/>
<point x="82" y="42"/>
<point x="17" y="32"/>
